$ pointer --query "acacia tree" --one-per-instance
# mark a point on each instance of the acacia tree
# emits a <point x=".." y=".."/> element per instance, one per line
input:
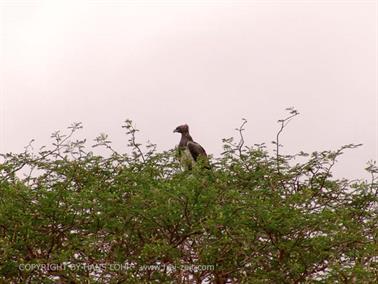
<point x="68" y="215"/>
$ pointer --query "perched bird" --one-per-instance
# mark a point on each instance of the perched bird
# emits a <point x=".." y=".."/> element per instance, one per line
<point x="190" y="152"/>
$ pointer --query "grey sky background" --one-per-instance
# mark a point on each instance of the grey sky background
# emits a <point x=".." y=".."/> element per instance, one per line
<point x="205" y="63"/>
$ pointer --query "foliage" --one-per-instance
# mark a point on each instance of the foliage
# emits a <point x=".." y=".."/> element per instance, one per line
<point x="68" y="215"/>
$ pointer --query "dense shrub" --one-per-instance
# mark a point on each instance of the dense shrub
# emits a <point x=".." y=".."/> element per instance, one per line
<point x="68" y="215"/>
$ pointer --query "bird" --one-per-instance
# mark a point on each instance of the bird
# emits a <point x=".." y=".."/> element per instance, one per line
<point x="190" y="152"/>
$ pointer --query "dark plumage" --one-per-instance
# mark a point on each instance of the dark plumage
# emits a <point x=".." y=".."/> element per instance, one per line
<point x="189" y="152"/>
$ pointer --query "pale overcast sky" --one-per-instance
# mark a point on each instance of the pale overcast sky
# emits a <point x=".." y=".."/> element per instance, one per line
<point x="207" y="63"/>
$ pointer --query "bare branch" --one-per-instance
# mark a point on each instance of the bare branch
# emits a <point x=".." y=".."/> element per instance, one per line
<point x="241" y="142"/>
<point x="283" y="123"/>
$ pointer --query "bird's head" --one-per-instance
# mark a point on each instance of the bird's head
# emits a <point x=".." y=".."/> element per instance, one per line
<point x="182" y="129"/>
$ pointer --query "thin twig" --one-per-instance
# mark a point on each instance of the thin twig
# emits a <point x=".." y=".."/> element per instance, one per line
<point x="284" y="122"/>
<point x="241" y="142"/>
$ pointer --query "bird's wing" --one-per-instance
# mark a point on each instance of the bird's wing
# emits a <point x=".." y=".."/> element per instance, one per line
<point x="196" y="150"/>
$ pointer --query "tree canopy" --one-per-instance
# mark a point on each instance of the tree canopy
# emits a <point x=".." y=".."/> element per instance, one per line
<point x="68" y="215"/>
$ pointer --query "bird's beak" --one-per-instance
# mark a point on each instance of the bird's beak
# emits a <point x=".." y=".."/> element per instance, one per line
<point x="175" y="130"/>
